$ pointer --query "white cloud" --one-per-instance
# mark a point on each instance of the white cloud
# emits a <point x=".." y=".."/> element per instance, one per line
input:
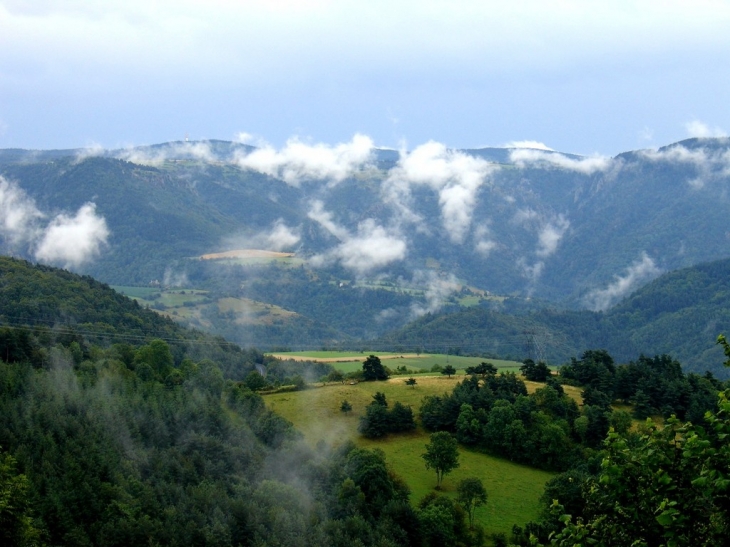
<point x="533" y="145"/>
<point x="72" y="241"/>
<point x="282" y="236"/>
<point x="279" y="237"/>
<point x="438" y="290"/>
<point x="19" y="215"/>
<point x="640" y="271"/>
<point x="371" y="248"/>
<point x="326" y="220"/>
<point x="299" y="161"/>
<point x="198" y="151"/>
<point x="587" y="165"/>
<point x="700" y="129"/>
<point x="454" y="176"/>
<point x="90" y="151"/>
<point x="678" y="154"/>
<point x="484" y="244"/>
<point x="550" y="235"/>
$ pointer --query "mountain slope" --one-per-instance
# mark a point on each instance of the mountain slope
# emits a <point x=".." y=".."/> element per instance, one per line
<point x="680" y="313"/>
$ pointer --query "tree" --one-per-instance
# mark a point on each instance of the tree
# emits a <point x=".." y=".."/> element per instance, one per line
<point x="379" y="399"/>
<point x="442" y="455"/>
<point x="448" y="370"/>
<point x="336" y="376"/>
<point x="373" y="369"/>
<point x="470" y="493"/>
<point x="346" y="407"/>
<point x="254" y="381"/>
<point x="16" y="522"/>
<point x="411" y="382"/>
<point x="535" y="372"/>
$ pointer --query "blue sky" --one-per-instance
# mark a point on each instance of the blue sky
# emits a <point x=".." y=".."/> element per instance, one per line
<point x="590" y="77"/>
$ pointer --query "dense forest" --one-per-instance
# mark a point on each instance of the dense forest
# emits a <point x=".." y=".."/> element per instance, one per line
<point x="121" y="428"/>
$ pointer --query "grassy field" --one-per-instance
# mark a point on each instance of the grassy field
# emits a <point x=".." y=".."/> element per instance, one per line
<point x="513" y="489"/>
<point x="351" y="361"/>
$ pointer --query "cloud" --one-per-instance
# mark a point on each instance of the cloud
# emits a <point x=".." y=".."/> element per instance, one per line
<point x="197" y="151"/>
<point x="73" y="240"/>
<point x="484" y="244"/>
<point x="534" y="145"/>
<point x="710" y="164"/>
<point x="438" y="290"/>
<point x="550" y="235"/>
<point x="700" y="129"/>
<point x="326" y="220"/>
<point x="371" y="248"/>
<point x="588" y="165"/>
<point x="19" y="215"/>
<point x="279" y="237"/>
<point x="678" y="154"/>
<point x="282" y="236"/>
<point x="299" y="161"/>
<point x="454" y="176"/>
<point x="92" y="151"/>
<point x="641" y="270"/>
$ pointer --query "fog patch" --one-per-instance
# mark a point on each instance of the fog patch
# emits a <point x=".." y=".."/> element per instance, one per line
<point x="280" y="237"/>
<point x="19" y="215"/>
<point x="154" y="157"/>
<point x="298" y="161"/>
<point x="524" y="157"/>
<point x="73" y="240"/>
<point x="534" y="145"/>
<point x="455" y="177"/>
<point x="438" y="289"/>
<point x="638" y="272"/>
<point x="701" y="130"/>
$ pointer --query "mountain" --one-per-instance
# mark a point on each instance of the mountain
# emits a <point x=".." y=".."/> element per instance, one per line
<point x="435" y="226"/>
<point x="680" y="313"/>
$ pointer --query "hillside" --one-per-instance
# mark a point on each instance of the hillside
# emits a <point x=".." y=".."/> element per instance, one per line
<point x="377" y="238"/>
<point x="41" y="305"/>
<point x="680" y="313"/>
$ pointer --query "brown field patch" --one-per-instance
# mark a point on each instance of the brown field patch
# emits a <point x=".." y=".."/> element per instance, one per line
<point x="246" y="253"/>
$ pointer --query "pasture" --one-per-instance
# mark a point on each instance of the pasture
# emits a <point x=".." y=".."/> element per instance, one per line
<point x="421" y="362"/>
<point x="514" y="490"/>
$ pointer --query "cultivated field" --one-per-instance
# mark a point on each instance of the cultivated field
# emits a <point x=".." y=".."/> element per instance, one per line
<point x="513" y="489"/>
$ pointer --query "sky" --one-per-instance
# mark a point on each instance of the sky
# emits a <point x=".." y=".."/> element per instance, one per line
<point x="598" y="77"/>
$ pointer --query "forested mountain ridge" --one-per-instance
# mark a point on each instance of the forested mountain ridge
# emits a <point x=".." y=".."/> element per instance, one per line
<point x="509" y="220"/>
<point x="41" y="305"/>
<point x="430" y="229"/>
<point x="680" y="313"/>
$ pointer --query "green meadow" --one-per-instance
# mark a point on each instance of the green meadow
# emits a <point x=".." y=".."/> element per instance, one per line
<point x="352" y="360"/>
<point x="514" y="490"/>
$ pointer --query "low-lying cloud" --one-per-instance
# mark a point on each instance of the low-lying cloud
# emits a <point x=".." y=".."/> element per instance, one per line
<point x="534" y="145"/>
<point x="19" y="216"/>
<point x="73" y="240"/>
<point x="456" y="178"/>
<point x="586" y="165"/>
<point x="154" y="157"/>
<point x="438" y="289"/>
<point x="698" y="129"/>
<point x="640" y="271"/>
<point x="67" y="240"/>
<point x="280" y="237"/>
<point x="371" y="248"/>
<point x="298" y="161"/>
<point x="550" y="235"/>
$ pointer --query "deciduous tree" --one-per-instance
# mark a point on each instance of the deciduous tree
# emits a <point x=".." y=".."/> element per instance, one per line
<point x="442" y="455"/>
